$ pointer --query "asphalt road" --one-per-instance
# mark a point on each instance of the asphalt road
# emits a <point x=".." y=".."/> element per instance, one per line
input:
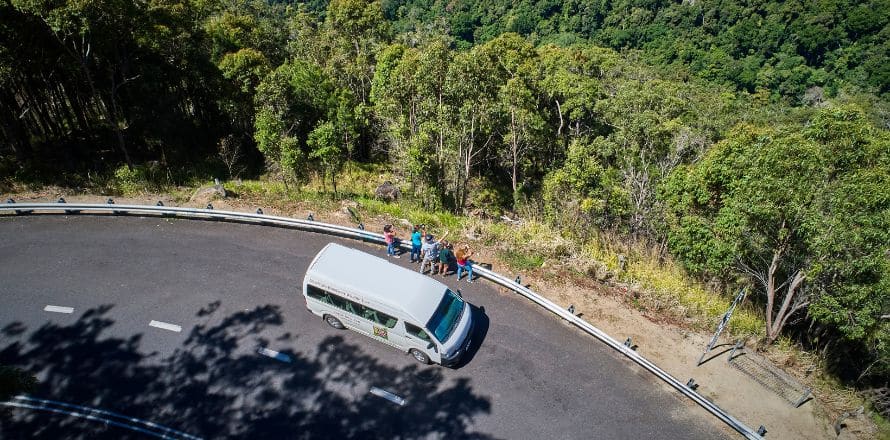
<point x="233" y="290"/>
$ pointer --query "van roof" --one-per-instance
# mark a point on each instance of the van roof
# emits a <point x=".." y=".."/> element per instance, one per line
<point x="378" y="280"/>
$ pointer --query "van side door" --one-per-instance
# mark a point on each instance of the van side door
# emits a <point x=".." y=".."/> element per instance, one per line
<point x="417" y="337"/>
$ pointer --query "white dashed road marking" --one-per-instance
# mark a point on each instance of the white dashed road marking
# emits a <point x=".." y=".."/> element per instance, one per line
<point x="275" y="355"/>
<point x="59" y="309"/>
<point x="388" y="396"/>
<point x="165" y="326"/>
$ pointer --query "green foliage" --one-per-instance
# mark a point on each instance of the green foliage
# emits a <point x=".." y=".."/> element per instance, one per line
<point x="129" y="181"/>
<point x="778" y="46"/>
<point x="812" y="201"/>
<point x="246" y="67"/>
<point x="293" y="103"/>
<point x="583" y="191"/>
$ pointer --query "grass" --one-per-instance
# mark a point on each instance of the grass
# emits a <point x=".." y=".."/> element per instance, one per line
<point x="520" y="260"/>
<point x="882" y="425"/>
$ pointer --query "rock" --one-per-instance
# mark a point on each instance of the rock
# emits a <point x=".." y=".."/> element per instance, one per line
<point x="388" y="192"/>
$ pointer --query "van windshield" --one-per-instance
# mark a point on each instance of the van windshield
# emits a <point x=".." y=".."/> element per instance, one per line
<point x="447" y="316"/>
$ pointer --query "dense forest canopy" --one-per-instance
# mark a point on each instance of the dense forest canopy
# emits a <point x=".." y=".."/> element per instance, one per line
<point x="782" y="48"/>
<point x="747" y="139"/>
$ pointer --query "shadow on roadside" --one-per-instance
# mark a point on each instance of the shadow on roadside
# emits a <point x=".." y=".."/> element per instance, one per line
<point x="216" y="386"/>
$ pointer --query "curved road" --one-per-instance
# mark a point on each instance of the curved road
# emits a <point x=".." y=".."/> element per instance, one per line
<point x="249" y="361"/>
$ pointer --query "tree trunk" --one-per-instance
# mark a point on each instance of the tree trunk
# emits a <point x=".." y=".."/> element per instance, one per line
<point x="792" y="301"/>
<point x="514" y="145"/>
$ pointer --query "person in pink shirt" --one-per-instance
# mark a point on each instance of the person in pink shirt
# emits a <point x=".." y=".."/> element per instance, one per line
<point x="390" y="237"/>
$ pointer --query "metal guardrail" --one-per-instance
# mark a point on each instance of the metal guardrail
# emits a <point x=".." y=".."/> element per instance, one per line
<point x="343" y="231"/>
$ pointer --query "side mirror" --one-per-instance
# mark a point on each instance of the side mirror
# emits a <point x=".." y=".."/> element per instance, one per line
<point x="433" y="346"/>
<point x="459" y="294"/>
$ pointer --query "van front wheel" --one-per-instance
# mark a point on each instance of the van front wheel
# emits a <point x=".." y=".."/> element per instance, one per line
<point x="420" y="356"/>
<point x="334" y="322"/>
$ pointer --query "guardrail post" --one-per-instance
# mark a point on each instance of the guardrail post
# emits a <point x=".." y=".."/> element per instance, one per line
<point x="110" y="201"/>
<point x="160" y="203"/>
<point x="17" y="211"/>
<point x="67" y="211"/>
<point x="259" y="211"/>
<point x="310" y="217"/>
<point x="209" y="206"/>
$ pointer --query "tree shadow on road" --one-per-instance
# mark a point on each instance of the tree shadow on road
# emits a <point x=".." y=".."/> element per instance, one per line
<point x="217" y="386"/>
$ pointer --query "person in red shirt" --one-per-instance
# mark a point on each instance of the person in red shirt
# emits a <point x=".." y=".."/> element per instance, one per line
<point x="464" y="263"/>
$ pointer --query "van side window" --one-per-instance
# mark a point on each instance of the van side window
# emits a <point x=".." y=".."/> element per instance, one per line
<point x="416" y="331"/>
<point x="319" y="294"/>
<point x="351" y="306"/>
<point x="378" y="317"/>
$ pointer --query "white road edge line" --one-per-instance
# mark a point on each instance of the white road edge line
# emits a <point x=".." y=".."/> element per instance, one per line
<point x="50" y="405"/>
<point x="274" y="355"/>
<point x="165" y="326"/>
<point x="58" y="309"/>
<point x="388" y="396"/>
<point x="88" y="416"/>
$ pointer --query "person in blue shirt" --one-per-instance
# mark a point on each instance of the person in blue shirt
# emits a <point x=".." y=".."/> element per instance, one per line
<point x="416" y="243"/>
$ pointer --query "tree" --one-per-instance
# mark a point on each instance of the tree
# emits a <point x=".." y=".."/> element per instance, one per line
<point x="324" y="146"/>
<point x="517" y="74"/>
<point x="291" y="102"/>
<point x="583" y="193"/>
<point x="802" y="214"/>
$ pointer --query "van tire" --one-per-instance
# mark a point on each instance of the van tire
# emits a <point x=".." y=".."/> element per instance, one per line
<point x="420" y="356"/>
<point x="334" y="322"/>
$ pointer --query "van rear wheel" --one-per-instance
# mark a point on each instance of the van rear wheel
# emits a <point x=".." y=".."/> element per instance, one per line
<point x="420" y="356"/>
<point x="334" y="322"/>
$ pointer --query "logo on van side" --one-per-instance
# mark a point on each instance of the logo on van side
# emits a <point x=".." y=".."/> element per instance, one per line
<point x="380" y="332"/>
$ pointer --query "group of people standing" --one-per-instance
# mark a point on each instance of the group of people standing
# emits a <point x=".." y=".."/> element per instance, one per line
<point x="439" y="254"/>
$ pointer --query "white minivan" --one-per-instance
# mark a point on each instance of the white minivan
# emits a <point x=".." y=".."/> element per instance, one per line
<point x="351" y="289"/>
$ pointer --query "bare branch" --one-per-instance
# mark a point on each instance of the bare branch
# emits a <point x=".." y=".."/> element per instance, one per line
<point x="759" y="276"/>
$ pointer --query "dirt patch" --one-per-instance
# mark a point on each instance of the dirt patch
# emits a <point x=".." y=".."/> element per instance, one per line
<point x="677" y="350"/>
<point x="662" y="339"/>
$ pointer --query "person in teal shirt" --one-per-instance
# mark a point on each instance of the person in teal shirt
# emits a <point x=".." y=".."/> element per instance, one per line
<point x="416" y="242"/>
